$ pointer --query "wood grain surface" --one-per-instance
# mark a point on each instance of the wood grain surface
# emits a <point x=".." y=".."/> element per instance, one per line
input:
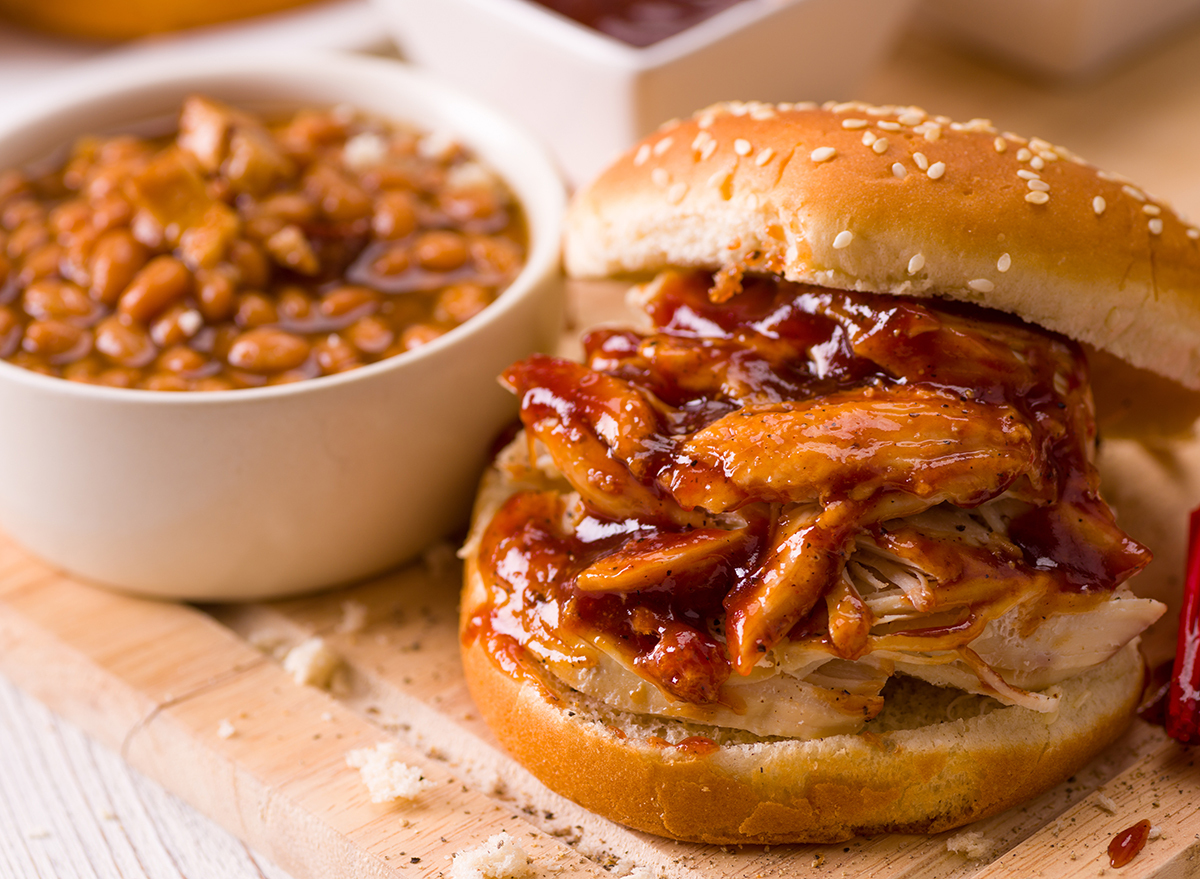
<point x="70" y="807"/>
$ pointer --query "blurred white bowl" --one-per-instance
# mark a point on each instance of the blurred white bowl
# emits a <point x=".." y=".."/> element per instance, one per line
<point x="590" y="96"/>
<point x="271" y="491"/>
<point x="1058" y="38"/>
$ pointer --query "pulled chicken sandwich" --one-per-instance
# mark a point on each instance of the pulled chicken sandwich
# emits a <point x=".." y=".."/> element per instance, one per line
<point x="819" y="549"/>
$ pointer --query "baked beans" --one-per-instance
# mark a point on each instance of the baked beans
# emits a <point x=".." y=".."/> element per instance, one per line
<point x="240" y="252"/>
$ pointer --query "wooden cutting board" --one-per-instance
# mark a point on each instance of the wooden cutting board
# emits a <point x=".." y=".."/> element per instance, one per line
<point x="160" y="682"/>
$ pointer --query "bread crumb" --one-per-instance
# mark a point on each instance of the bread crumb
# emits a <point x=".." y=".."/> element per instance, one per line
<point x="971" y="844"/>
<point x="385" y="776"/>
<point x="311" y="662"/>
<point x="40" y="833"/>
<point x="225" y="729"/>
<point x="501" y="857"/>
<point x="354" y="618"/>
<point x="627" y="870"/>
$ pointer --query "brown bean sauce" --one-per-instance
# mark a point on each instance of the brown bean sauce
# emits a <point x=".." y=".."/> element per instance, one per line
<point x="631" y="420"/>
<point x="240" y="252"/>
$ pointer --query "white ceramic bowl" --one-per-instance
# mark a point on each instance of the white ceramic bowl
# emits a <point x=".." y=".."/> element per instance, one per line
<point x="272" y="491"/>
<point x="590" y="96"/>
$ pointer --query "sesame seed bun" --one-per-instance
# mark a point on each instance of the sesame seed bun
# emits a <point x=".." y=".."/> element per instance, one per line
<point x="937" y="759"/>
<point x="891" y="200"/>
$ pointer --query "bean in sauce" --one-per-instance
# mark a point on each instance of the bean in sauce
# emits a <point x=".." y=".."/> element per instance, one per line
<point x="240" y="252"/>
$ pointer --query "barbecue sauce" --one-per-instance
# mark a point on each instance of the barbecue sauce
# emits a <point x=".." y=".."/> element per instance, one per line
<point x="619" y="425"/>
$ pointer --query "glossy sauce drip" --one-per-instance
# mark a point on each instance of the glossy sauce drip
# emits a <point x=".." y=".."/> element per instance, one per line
<point x="653" y="433"/>
<point x="1125" y="846"/>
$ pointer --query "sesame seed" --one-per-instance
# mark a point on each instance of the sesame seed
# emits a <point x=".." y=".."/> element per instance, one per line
<point x="1133" y="192"/>
<point x="911" y="118"/>
<point x="932" y="133"/>
<point x="742" y="147"/>
<point x="1151" y="209"/>
<point x="887" y="125"/>
<point x="981" y="285"/>
<point x="1036" y="143"/>
<point x="823" y="154"/>
<point x="899" y="170"/>
<point x="1004" y="262"/>
<point x="719" y="178"/>
<point x="702" y="137"/>
<point x="660" y="177"/>
<point x="1038" y="185"/>
<point x="880" y="146"/>
<point x="920" y="161"/>
<point x="1001" y="144"/>
<point x="936" y="170"/>
<point x="1036" y="162"/>
<point x="765" y="156"/>
<point x="1099" y="204"/>
<point x="676" y="193"/>
<point x="1028" y="175"/>
<point x="1193" y="233"/>
<point x="843" y="239"/>
<point x="1156" y="226"/>
<point x="916" y="263"/>
<point x="855" y="123"/>
<point x="869" y="137"/>
<point x="1024" y="155"/>
<point x="662" y="146"/>
<point x="708" y="149"/>
<point x="643" y="154"/>
<point x="1037" y="197"/>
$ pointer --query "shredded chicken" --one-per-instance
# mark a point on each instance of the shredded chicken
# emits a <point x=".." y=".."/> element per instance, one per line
<point x="758" y="512"/>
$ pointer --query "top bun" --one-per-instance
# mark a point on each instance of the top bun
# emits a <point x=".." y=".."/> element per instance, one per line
<point x="892" y="200"/>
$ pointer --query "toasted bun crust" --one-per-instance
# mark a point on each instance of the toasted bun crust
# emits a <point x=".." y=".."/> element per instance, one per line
<point x="924" y="774"/>
<point x="810" y="193"/>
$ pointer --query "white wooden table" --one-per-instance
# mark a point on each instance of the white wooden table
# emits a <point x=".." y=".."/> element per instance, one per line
<point x="69" y="808"/>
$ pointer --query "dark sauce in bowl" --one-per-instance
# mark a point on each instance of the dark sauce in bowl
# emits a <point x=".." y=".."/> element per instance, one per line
<point x="638" y="22"/>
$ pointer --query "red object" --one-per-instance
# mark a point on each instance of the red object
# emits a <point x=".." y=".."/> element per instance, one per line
<point x="1183" y="700"/>
<point x="1126" y="844"/>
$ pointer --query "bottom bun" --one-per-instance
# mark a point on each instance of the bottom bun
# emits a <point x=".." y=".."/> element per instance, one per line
<point x="933" y="760"/>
